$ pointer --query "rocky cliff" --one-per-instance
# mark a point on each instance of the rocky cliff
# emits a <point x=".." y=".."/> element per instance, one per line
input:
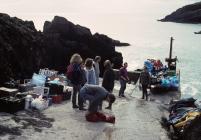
<point x="22" y="51"/>
<point x="187" y="14"/>
<point x="25" y="50"/>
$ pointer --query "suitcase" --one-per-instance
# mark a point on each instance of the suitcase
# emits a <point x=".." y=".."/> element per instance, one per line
<point x="5" y="92"/>
<point x="11" y="104"/>
<point x="54" y="88"/>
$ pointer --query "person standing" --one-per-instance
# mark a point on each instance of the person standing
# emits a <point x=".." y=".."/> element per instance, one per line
<point x="75" y="75"/>
<point x="108" y="78"/>
<point x="90" y="72"/>
<point x="123" y="78"/>
<point x="144" y="81"/>
<point x="97" y="69"/>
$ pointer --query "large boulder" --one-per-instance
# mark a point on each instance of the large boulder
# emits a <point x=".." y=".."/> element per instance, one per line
<point x="187" y="14"/>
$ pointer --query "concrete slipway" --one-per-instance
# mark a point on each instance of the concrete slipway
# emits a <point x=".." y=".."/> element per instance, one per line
<point x="136" y="119"/>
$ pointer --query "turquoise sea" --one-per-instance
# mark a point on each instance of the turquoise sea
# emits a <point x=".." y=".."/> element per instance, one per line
<point x="131" y="21"/>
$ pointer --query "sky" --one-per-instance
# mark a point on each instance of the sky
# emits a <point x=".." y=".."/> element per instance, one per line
<point x="77" y="10"/>
<point x="41" y="10"/>
<point x="62" y="6"/>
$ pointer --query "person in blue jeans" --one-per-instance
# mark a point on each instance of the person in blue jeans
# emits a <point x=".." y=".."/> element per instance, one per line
<point x="123" y="78"/>
<point x="96" y="95"/>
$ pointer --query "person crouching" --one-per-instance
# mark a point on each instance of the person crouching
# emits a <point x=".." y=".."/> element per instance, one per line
<point x="96" y="95"/>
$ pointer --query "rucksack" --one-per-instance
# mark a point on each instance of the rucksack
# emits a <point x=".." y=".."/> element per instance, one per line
<point x="69" y="72"/>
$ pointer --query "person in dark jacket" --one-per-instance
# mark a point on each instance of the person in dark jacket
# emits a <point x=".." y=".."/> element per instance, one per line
<point x="108" y="76"/>
<point x="75" y="75"/>
<point x="144" y="81"/>
<point x="96" y="95"/>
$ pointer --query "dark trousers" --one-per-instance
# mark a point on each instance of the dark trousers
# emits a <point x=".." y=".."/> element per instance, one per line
<point x="144" y="91"/>
<point x="76" y="89"/>
<point x="123" y="87"/>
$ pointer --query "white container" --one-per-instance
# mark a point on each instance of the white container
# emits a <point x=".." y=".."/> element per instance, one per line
<point x="28" y="100"/>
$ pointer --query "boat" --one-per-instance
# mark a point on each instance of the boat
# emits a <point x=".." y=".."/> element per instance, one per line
<point x="165" y="83"/>
<point x="167" y="77"/>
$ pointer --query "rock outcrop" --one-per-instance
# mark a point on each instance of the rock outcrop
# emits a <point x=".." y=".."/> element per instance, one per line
<point x="63" y="38"/>
<point x="22" y="51"/>
<point x="197" y="32"/>
<point x="25" y="50"/>
<point x="187" y="14"/>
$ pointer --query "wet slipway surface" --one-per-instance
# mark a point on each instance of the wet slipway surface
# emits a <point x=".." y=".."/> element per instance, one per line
<point x="136" y="119"/>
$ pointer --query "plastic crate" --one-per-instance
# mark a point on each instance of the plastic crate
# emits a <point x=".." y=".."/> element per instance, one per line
<point x="56" y="99"/>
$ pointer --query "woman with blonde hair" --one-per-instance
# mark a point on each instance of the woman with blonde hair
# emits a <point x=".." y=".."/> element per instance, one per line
<point x="76" y="58"/>
<point x="75" y="75"/>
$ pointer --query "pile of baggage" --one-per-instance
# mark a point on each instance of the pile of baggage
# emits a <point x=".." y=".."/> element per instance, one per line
<point x="161" y="76"/>
<point x="100" y="117"/>
<point x="182" y="114"/>
<point x="39" y="92"/>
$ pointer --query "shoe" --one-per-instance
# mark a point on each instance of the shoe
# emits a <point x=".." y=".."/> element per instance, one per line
<point x="108" y="108"/>
<point x="123" y="96"/>
<point x="75" y="106"/>
<point x="83" y="109"/>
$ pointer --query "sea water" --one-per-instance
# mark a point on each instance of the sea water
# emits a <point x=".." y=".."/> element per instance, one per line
<point x="132" y="21"/>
